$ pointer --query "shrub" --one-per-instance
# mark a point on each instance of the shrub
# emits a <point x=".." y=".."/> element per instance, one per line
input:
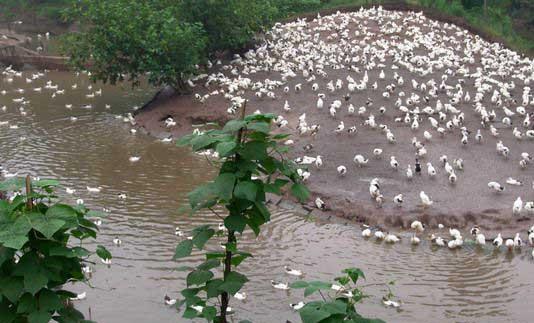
<point x="37" y="256"/>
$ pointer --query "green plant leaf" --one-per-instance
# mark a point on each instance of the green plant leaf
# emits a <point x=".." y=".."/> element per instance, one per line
<point x="35" y="281"/>
<point x="314" y="286"/>
<point x="75" y="252"/>
<point x="225" y="185"/>
<point x="215" y="255"/>
<point x="212" y="288"/>
<point x="63" y="212"/>
<point x="240" y="256"/>
<point x="27" y="304"/>
<point x="299" y="284"/>
<point x="313" y="313"/>
<point x="103" y="253"/>
<point x="255" y="220"/>
<point x="226" y="148"/>
<point x="233" y="283"/>
<point x="259" y="126"/>
<point x="335" y="307"/>
<point x="343" y="280"/>
<point x="7" y="313"/>
<point x="360" y="319"/>
<point x="209" y="313"/>
<point x="269" y="165"/>
<point x="190" y="313"/>
<point x="281" y="136"/>
<point x="263" y="210"/>
<point x="183" y="249"/>
<point x="267" y="117"/>
<point x="233" y="125"/>
<point x="202" y="142"/>
<point x="200" y="238"/>
<point x="95" y="214"/>
<point x="45" y="183"/>
<point x="203" y="196"/>
<point x="246" y="190"/>
<point x="354" y="274"/>
<point x="235" y="222"/>
<point x="39" y="317"/>
<point x="190" y="292"/>
<point x="46" y="225"/>
<point x="209" y="264"/>
<point x="275" y="187"/>
<point x="11" y="287"/>
<point x="49" y="301"/>
<point x="300" y="192"/>
<point x="254" y="150"/>
<point x="13" y="184"/>
<point x="15" y="235"/>
<point x="198" y="277"/>
<point x="71" y="315"/>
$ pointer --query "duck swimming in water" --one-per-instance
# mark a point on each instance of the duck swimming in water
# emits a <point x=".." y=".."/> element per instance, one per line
<point x="279" y="285"/>
<point x="293" y="272"/>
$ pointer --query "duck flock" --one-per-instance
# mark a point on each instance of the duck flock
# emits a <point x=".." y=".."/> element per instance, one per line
<point x="425" y="116"/>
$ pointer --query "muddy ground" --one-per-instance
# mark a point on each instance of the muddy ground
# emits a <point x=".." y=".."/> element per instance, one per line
<point x="466" y="203"/>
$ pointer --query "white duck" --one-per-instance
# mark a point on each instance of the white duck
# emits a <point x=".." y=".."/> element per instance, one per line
<point x="425" y="199"/>
<point x="280" y="285"/>
<point x="293" y="272"/>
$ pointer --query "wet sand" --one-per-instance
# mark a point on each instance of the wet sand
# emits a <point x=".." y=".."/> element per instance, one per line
<point x="466" y="203"/>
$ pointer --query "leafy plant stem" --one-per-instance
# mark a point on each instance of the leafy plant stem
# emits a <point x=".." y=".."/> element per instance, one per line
<point x="225" y="298"/>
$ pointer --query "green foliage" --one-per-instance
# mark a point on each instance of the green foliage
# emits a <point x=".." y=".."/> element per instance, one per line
<point x="496" y="20"/>
<point x="48" y="9"/>
<point x="38" y="254"/>
<point x="251" y="164"/>
<point x="230" y="24"/>
<point x="113" y="45"/>
<point x="337" y="304"/>
<point x="292" y="7"/>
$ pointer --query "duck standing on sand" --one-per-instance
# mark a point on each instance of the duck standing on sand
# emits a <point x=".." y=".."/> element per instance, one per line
<point x="417" y="167"/>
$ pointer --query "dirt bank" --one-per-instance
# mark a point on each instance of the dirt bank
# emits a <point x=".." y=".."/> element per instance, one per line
<point x="466" y="203"/>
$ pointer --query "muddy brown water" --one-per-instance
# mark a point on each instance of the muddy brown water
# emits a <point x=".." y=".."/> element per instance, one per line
<point x="434" y="285"/>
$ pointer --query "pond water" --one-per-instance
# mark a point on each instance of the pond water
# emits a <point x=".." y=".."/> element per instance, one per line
<point x="434" y="285"/>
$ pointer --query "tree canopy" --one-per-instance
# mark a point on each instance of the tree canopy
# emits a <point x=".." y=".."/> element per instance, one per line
<point x="230" y="24"/>
<point x="131" y="38"/>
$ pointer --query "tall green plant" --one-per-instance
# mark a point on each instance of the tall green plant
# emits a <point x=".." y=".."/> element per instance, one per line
<point x="252" y="163"/>
<point x="41" y="249"/>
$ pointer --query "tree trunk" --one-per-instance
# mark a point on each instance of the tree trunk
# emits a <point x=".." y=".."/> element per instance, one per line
<point x="485" y="8"/>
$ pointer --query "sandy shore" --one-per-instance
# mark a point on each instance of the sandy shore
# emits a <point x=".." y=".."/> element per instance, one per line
<point x="464" y="204"/>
